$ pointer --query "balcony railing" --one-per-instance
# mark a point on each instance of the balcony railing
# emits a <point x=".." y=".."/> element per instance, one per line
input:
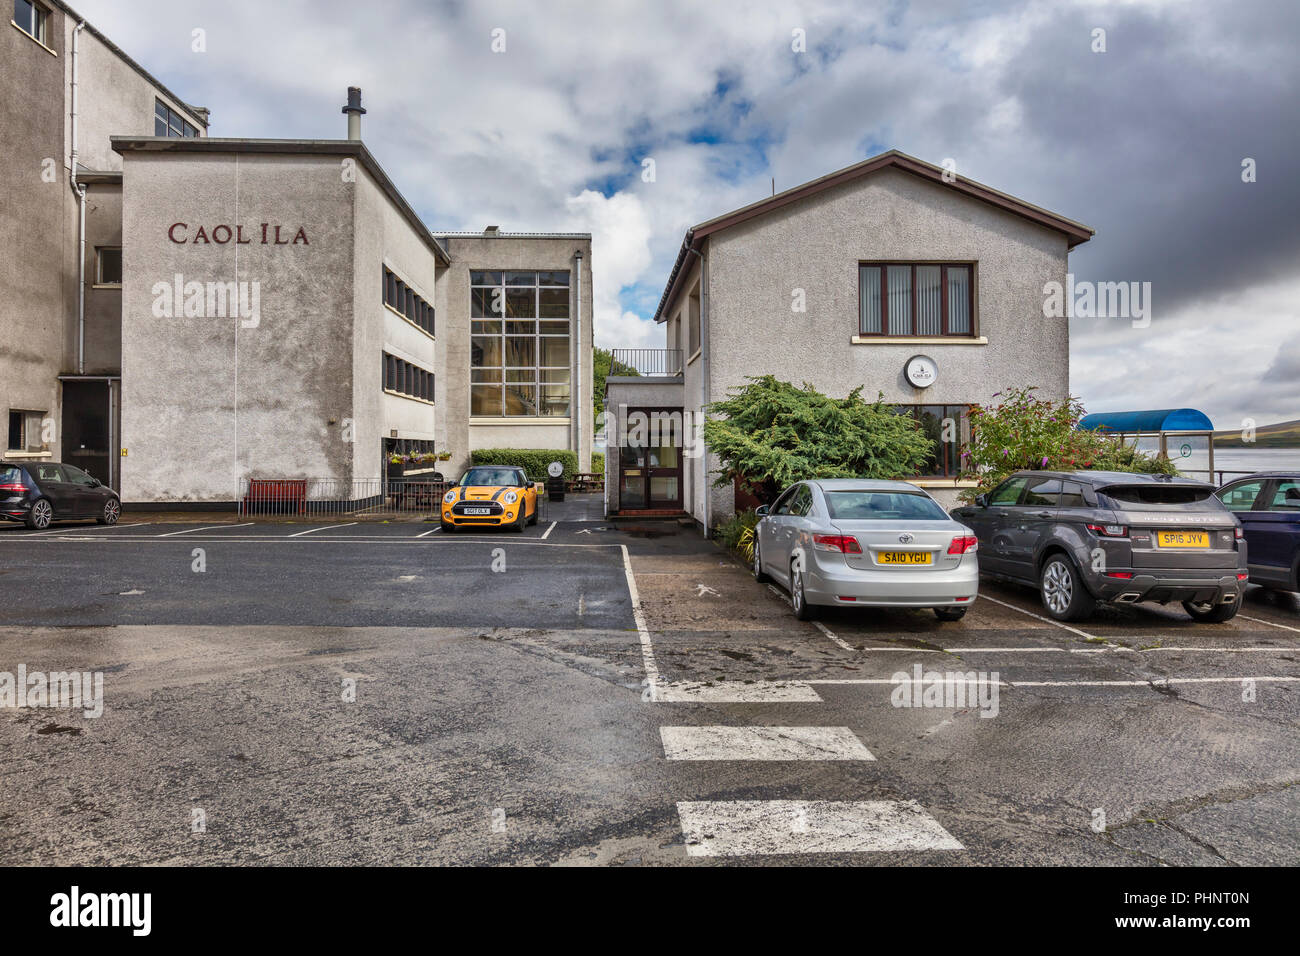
<point x="646" y="362"/>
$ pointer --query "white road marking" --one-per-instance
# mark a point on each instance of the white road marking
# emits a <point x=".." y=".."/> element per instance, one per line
<point x="779" y="593"/>
<point x="37" y="534"/>
<point x="323" y="539"/>
<point x="1158" y="681"/>
<point x="328" y="527"/>
<point x="549" y="530"/>
<point x="647" y="648"/>
<point x="211" y="527"/>
<point x="582" y="604"/>
<point x="1260" y="620"/>
<point x="749" y="827"/>
<point x="425" y="534"/>
<point x="702" y="589"/>
<point x="762" y="743"/>
<point x="1039" y="617"/>
<point x="831" y="634"/>
<point x="738" y="692"/>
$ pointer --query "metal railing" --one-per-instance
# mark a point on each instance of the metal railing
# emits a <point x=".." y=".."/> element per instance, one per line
<point x="407" y="496"/>
<point x="647" y="362"/>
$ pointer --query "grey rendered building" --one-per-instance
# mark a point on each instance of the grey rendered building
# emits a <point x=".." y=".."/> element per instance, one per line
<point x="844" y="282"/>
<point x="255" y="308"/>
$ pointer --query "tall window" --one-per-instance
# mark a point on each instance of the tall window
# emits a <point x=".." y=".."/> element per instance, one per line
<point x="108" y="265"/>
<point x="931" y="299"/>
<point x="406" y="379"/>
<point x="403" y="300"/>
<point x="167" y="122"/>
<point x="33" y="19"/>
<point x="943" y="425"/>
<point x="519" y="344"/>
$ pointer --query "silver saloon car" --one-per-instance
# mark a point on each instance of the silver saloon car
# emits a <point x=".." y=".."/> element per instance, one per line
<point x="852" y="543"/>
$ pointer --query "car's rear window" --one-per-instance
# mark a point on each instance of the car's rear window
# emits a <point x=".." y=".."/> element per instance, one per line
<point x="10" y="474"/>
<point x="491" y="476"/>
<point x="882" y="506"/>
<point x="1160" y="497"/>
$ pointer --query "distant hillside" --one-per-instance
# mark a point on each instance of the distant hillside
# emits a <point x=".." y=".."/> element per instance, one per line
<point x="1279" y="435"/>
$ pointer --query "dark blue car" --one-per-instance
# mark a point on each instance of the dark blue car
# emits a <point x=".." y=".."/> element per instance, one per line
<point x="1268" y="506"/>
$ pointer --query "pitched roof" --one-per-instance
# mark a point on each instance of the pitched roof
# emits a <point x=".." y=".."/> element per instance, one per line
<point x="1075" y="232"/>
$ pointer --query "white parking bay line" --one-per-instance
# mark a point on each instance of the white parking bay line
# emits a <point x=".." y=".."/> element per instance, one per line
<point x="831" y="634"/>
<point x="1260" y="620"/>
<point x="1039" y="617"/>
<point x="549" y="530"/>
<point x="752" y="827"/>
<point x="762" y="743"/>
<point x="647" y="648"/>
<point x="425" y="534"/>
<point x="211" y="527"/>
<point x="737" y="692"/>
<point x="328" y="527"/>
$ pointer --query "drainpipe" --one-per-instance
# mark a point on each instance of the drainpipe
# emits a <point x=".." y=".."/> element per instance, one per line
<point x="577" y="387"/>
<point x="80" y="190"/>
<point x="704" y="375"/>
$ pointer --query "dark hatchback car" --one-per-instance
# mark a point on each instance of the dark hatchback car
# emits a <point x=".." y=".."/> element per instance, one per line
<point x="1268" y="506"/>
<point x="1082" y="537"/>
<point x="37" y="493"/>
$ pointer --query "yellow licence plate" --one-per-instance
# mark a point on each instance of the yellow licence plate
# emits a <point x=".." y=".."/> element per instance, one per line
<point x="904" y="557"/>
<point x="1183" y="539"/>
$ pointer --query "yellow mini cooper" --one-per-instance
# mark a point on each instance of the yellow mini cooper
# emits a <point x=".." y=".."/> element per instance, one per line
<point x="490" y="495"/>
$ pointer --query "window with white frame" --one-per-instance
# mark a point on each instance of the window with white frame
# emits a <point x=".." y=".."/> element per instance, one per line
<point x="519" y="344"/>
<point x="33" y="19"/>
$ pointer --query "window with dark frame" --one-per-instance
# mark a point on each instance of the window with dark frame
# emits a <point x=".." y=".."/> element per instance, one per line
<point x="404" y="300"/>
<point x="168" y="122"/>
<point x="17" y="432"/>
<point x="945" y="460"/>
<point x="33" y="18"/>
<point x="108" y="265"/>
<point x="932" y="299"/>
<point x="402" y="377"/>
<point x="519" y="344"/>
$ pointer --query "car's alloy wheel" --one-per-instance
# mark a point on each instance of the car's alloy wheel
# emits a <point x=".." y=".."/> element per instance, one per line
<point x="112" y="511"/>
<point x="41" y="515"/>
<point x="1058" y="587"/>
<point x="802" y="609"/>
<point x="757" y="566"/>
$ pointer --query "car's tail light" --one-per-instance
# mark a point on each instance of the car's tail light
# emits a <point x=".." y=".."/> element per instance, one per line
<point x="1242" y="575"/>
<point x="1109" y="530"/>
<point x="843" y="543"/>
<point x="1126" y="575"/>
<point x="14" y="488"/>
<point x="963" y="544"/>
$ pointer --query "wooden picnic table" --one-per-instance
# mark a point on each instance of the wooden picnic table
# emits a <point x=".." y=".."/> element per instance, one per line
<point x="587" y="481"/>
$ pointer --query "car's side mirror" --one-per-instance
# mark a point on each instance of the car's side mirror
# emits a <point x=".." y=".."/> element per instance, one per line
<point x="761" y="510"/>
<point x="982" y="500"/>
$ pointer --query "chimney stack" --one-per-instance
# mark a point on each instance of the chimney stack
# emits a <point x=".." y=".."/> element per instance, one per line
<point x="354" y="110"/>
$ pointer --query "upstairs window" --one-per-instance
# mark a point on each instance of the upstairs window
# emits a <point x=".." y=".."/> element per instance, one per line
<point x="402" y="299"/>
<point x="33" y="19"/>
<point x="167" y="122"/>
<point x="915" y="298"/>
<point x="519" y="344"/>
<point x="108" y="265"/>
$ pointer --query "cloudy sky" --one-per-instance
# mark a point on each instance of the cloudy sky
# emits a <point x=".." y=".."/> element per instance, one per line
<point x="1144" y="142"/>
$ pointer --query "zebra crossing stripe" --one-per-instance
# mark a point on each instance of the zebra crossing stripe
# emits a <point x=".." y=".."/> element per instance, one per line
<point x="765" y="827"/>
<point x="737" y="692"/>
<point x="762" y="743"/>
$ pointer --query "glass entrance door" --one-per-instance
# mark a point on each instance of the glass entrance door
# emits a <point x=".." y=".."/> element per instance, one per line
<point x="650" y="475"/>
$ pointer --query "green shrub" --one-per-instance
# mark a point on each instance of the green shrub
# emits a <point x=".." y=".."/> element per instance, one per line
<point x="770" y="434"/>
<point x="532" y="460"/>
<point x="1025" y="432"/>
<point x="737" y="534"/>
<point x="597" y="463"/>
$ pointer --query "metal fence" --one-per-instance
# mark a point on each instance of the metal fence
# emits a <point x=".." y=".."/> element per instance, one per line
<point x="407" y="496"/>
<point x="647" y="361"/>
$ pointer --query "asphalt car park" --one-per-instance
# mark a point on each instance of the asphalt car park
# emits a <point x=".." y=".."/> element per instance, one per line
<point x="613" y="694"/>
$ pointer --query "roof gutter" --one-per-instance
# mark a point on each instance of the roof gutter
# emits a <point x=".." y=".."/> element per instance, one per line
<point x="676" y="276"/>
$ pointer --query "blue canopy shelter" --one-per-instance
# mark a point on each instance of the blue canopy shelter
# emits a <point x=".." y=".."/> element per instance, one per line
<point x="1191" y="431"/>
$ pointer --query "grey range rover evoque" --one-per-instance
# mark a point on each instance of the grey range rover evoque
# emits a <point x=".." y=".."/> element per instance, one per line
<point x="1084" y="537"/>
